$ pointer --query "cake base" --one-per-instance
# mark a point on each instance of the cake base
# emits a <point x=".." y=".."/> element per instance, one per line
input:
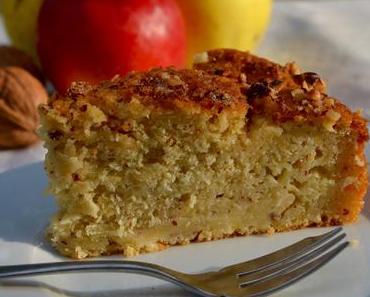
<point x="272" y="178"/>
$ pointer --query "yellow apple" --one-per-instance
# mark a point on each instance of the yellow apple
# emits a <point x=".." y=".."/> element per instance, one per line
<point x="20" y="17"/>
<point x="238" y="24"/>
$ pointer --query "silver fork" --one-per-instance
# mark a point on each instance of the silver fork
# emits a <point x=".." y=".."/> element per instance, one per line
<point x="258" y="277"/>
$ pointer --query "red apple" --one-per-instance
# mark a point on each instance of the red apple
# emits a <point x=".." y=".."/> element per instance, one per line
<point x="92" y="40"/>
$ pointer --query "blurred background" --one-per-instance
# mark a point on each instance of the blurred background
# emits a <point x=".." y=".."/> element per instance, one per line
<point x="330" y="37"/>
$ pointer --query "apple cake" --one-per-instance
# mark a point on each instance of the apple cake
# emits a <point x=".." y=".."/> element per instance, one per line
<point x="237" y="145"/>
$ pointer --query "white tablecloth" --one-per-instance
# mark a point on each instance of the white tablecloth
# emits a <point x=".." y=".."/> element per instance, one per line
<point x="330" y="37"/>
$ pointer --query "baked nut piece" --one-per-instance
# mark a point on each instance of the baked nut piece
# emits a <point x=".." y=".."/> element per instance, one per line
<point x="170" y="156"/>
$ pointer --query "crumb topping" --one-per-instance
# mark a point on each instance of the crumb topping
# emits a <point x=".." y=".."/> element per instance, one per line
<point x="164" y="87"/>
<point x="245" y="67"/>
<point x="222" y="79"/>
<point x="283" y="93"/>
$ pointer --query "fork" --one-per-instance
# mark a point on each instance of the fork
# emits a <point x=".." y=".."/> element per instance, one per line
<point x="259" y="277"/>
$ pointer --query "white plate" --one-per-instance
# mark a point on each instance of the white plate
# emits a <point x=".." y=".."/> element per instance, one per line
<point x="25" y="211"/>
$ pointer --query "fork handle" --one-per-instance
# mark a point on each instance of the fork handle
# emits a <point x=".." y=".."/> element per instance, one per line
<point x="88" y="266"/>
<point x="178" y="278"/>
<point x="148" y="269"/>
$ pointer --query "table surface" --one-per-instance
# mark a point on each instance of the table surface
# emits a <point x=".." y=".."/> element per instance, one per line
<point x="330" y="37"/>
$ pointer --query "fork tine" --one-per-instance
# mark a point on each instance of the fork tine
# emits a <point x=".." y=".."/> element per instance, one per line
<point x="287" y="266"/>
<point x="284" y="254"/>
<point x="284" y="280"/>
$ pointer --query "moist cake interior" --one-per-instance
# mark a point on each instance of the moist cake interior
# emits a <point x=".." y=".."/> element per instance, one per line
<point x="183" y="175"/>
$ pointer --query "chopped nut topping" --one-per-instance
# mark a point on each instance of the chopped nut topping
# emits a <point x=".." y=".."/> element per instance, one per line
<point x="116" y="77"/>
<point x="311" y="77"/>
<point x="232" y="79"/>
<point x="298" y="94"/>
<point x="243" y="78"/>
<point x="315" y="95"/>
<point x="306" y="86"/>
<point x="331" y="117"/>
<point x="175" y="81"/>
<point x="294" y="69"/>
<point x="329" y="101"/>
<point x="276" y="83"/>
<point x="309" y="81"/>
<point x="305" y="102"/>
<point x="200" y="58"/>
<point x="165" y="75"/>
<point x="78" y="89"/>
<point x="258" y="90"/>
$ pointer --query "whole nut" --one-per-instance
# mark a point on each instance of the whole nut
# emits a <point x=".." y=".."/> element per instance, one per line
<point x="20" y="94"/>
<point x="13" y="57"/>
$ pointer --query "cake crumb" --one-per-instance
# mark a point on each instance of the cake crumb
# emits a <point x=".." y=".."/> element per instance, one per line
<point x="355" y="243"/>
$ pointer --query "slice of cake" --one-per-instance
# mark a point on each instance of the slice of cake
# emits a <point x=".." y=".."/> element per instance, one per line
<point x="237" y="146"/>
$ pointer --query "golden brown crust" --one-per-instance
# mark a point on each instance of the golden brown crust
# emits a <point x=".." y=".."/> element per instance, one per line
<point x="302" y="105"/>
<point x="229" y="79"/>
<point x="162" y="87"/>
<point x="244" y="67"/>
<point x="282" y="93"/>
